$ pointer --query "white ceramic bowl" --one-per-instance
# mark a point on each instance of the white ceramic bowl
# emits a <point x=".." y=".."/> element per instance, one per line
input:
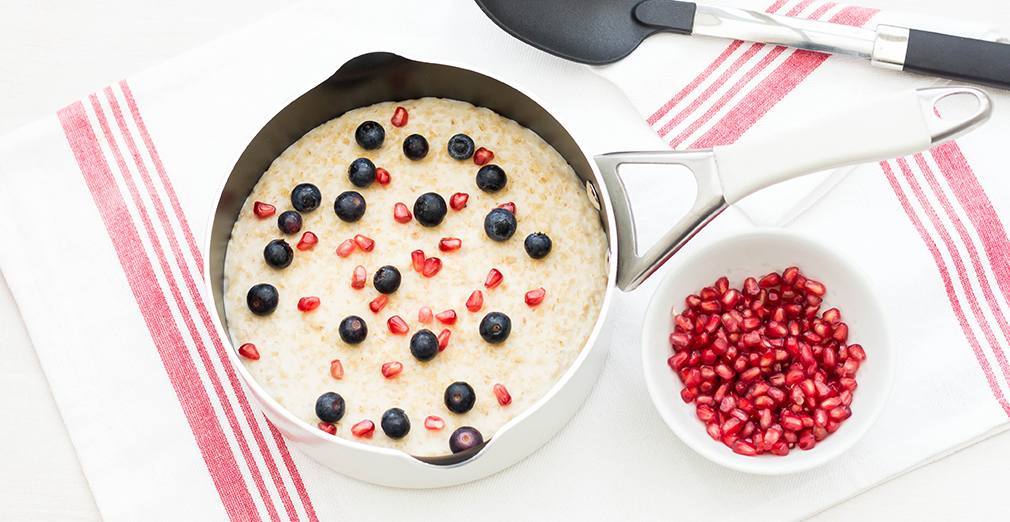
<point x="755" y="254"/>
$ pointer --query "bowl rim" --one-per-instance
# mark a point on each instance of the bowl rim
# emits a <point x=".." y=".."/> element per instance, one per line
<point x="711" y="449"/>
<point x="270" y="406"/>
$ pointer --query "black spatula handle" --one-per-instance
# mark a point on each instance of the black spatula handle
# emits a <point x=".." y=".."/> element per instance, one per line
<point x="960" y="58"/>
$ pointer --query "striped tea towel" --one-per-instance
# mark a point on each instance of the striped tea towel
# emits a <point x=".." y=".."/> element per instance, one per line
<point x="108" y="272"/>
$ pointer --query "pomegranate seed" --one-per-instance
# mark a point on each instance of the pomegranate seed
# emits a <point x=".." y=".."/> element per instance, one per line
<point x="378" y="303"/>
<point x="790" y="422"/>
<point x="744" y="448"/>
<point x="679" y="340"/>
<point x="806" y="441"/>
<point x="401" y="214"/>
<point x="448" y="244"/>
<point x="458" y="201"/>
<point x="536" y="296"/>
<point x="751" y="287"/>
<point x="424" y="315"/>
<point x="790" y="275"/>
<point x="687" y="394"/>
<point x="397" y="325"/>
<point x="346" y="248"/>
<point x="482" y="156"/>
<point x="446" y="317"/>
<point x="308" y="304"/>
<point x="433" y="423"/>
<point x="391" y="369"/>
<point x="677" y="361"/>
<point x="382" y="176"/>
<point x="502" y="395"/>
<point x="432" y="265"/>
<point x="831" y="316"/>
<point x="475" y="302"/>
<point x="363" y="429"/>
<point x="714" y="431"/>
<point x="336" y="369"/>
<point x="814" y="287"/>
<point x="443" y="339"/>
<point x="400" y="117"/>
<point x="307" y="242"/>
<point x="494" y="278"/>
<point x="327" y="427"/>
<point x="249" y="351"/>
<point x="856" y="352"/>
<point x="417" y="260"/>
<point x="731" y="426"/>
<point x="769" y="280"/>
<point x="731" y="298"/>
<point x="840" y="413"/>
<point x="841" y="333"/>
<point x="359" y="277"/>
<point x="510" y="206"/>
<point x="365" y="243"/>
<point x="705" y="413"/>
<point x="263" y="210"/>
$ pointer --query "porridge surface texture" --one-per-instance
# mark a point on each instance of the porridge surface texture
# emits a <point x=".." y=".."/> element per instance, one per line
<point x="296" y="347"/>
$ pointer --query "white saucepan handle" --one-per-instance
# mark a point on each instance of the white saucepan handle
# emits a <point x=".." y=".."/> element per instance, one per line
<point x="887" y="127"/>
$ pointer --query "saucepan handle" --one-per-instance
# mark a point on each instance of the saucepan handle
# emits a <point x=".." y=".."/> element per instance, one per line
<point x="887" y="127"/>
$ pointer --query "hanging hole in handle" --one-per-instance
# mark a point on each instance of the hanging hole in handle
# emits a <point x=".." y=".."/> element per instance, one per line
<point x="951" y="111"/>
<point x="957" y="106"/>
<point x="668" y="191"/>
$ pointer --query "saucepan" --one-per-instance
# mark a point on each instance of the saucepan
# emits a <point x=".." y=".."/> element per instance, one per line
<point x="891" y="126"/>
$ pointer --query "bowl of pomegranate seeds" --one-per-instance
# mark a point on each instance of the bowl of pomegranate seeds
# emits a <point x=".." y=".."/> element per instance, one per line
<point x="767" y="352"/>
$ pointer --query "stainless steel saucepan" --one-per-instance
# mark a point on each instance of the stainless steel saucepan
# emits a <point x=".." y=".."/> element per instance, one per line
<point x="896" y="125"/>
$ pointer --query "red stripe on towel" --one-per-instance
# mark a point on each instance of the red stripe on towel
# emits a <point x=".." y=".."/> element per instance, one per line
<point x="948" y="286"/>
<point x="744" y="80"/>
<point x="229" y="409"/>
<point x="219" y="343"/>
<point x="770" y="91"/>
<point x="719" y="60"/>
<point x="153" y="306"/>
<point x="981" y="212"/>
<point x="976" y="263"/>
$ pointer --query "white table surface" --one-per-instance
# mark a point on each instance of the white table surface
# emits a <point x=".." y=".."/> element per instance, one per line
<point x="52" y="52"/>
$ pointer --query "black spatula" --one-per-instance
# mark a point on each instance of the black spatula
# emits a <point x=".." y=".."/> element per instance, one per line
<point x="598" y="32"/>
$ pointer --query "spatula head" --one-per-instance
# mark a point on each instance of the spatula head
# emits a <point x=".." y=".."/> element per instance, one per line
<point x="594" y="32"/>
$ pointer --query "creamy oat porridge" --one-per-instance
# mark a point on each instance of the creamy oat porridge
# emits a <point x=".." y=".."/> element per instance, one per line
<point x="331" y="301"/>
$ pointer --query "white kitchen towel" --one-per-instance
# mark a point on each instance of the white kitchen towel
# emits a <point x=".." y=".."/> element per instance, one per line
<point x="106" y="204"/>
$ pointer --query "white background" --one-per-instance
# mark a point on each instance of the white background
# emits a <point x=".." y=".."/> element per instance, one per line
<point x="52" y="52"/>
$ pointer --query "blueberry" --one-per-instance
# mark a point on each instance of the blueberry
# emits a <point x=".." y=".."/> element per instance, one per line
<point x="361" y="172"/>
<point x="459" y="397"/>
<point x="424" y="345"/>
<point x="415" y="147"/>
<point x="429" y="209"/>
<point x="537" y="245"/>
<point x="330" y="407"/>
<point x="460" y="147"/>
<point x="278" y="253"/>
<point x="500" y="224"/>
<point x="495" y="327"/>
<point x="464" y="438"/>
<point x="353" y="329"/>
<point x="386" y="279"/>
<point x="305" y="197"/>
<point x="349" y="206"/>
<point x="370" y="135"/>
<point x="395" y="423"/>
<point x="262" y="299"/>
<point x="290" y="222"/>
<point x="491" y="178"/>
